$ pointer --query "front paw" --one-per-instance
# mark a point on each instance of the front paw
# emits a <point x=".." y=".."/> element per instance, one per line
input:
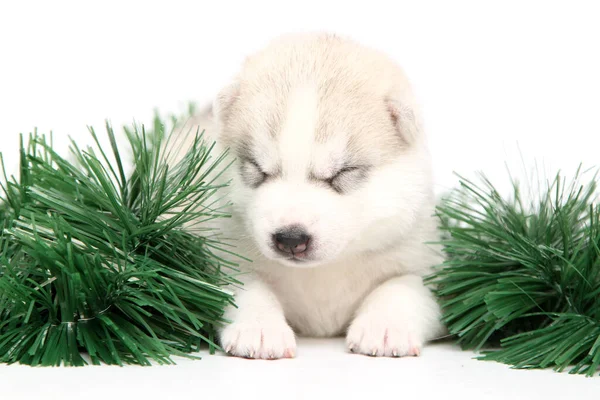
<point x="378" y="335"/>
<point x="267" y="340"/>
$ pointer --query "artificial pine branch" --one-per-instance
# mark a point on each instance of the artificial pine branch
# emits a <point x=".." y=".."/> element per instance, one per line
<point x="98" y="266"/>
<point x="523" y="277"/>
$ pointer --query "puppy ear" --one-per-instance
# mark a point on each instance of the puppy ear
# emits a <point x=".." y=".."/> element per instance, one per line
<point x="405" y="121"/>
<point x="224" y="100"/>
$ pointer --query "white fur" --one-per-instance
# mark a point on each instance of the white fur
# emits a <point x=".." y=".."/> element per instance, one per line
<point x="301" y="102"/>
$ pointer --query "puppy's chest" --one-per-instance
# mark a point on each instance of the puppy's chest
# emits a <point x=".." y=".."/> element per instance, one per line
<point x="321" y="301"/>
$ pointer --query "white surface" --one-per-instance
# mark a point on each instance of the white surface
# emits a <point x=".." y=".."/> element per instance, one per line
<point x="488" y="75"/>
<point x="322" y="370"/>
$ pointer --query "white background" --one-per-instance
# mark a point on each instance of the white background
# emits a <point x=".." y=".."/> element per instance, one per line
<point x="491" y="77"/>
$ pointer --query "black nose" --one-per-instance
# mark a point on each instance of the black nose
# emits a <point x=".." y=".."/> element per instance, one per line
<point x="291" y="241"/>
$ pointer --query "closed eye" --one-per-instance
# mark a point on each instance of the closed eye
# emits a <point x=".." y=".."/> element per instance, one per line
<point x="252" y="174"/>
<point x="342" y="171"/>
<point x="347" y="178"/>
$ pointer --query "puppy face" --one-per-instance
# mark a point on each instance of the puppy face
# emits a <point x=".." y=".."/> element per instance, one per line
<point x="330" y="162"/>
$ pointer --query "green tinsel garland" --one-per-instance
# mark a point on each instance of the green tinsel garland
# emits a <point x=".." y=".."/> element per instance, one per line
<point x="522" y="274"/>
<point x="96" y="267"/>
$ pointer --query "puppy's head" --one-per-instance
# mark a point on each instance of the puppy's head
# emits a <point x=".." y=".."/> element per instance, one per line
<point x="331" y="159"/>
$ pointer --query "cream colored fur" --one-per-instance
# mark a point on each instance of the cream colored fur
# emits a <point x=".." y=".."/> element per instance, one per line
<point x="301" y="109"/>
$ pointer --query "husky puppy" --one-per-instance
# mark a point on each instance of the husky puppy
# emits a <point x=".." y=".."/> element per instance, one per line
<point x="332" y="200"/>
